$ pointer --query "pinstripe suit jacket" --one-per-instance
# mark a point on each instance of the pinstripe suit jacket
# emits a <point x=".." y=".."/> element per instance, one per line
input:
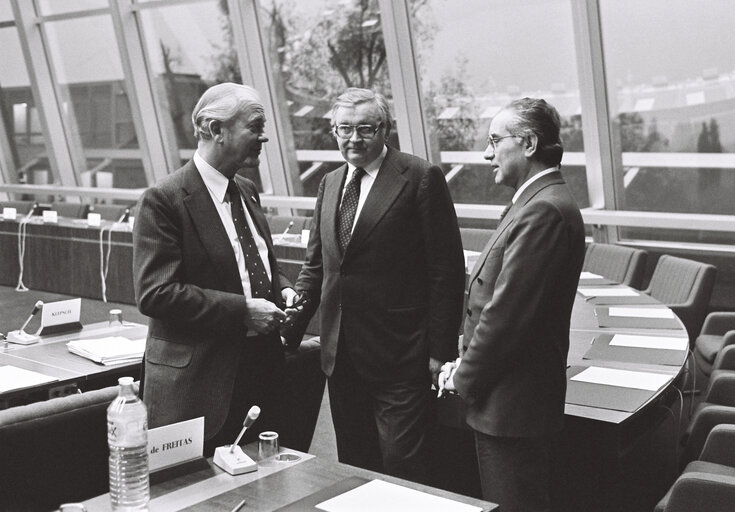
<point x="186" y="280"/>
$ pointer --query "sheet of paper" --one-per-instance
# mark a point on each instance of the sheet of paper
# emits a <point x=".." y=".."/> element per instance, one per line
<point x="387" y="497"/>
<point x="641" y="312"/>
<point x="589" y="275"/>
<point x="657" y="342"/>
<point x="12" y="377"/>
<point x="622" y="378"/>
<point x="609" y="291"/>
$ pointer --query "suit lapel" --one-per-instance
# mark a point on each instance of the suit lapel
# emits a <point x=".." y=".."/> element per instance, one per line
<point x="330" y="206"/>
<point x="209" y="226"/>
<point x="383" y="193"/>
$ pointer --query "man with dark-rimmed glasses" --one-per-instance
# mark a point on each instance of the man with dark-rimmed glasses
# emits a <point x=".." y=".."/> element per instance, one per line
<point x="385" y="262"/>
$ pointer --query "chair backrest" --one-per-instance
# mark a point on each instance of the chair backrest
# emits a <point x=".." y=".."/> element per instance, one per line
<point x="55" y="451"/>
<point x="69" y="210"/>
<point x="621" y="264"/>
<point x="108" y="211"/>
<point x="21" y="207"/>
<point x="686" y="287"/>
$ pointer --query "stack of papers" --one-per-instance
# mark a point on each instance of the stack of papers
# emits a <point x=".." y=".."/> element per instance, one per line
<point x="110" y="350"/>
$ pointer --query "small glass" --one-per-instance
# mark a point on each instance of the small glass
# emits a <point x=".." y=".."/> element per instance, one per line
<point x="267" y="445"/>
<point x="116" y="318"/>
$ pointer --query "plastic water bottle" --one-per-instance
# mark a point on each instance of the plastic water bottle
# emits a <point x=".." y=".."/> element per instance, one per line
<point x="127" y="437"/>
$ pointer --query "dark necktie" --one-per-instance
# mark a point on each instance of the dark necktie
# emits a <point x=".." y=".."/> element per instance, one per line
<point x="347" y="210"/>
<point x="260" y="285"/>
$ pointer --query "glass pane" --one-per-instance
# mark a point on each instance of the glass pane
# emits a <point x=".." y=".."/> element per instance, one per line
<point x="87" y="65"/>
<point x="673" y="117"/>
<point x="28" y="148"/>
<point x="319" y="48"/>
<point x="469" y="72"/>
<point x="61" y="6"/>
<point x="6" y="12"/>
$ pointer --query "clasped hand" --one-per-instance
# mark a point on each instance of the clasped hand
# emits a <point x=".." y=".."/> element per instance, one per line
<point x="446" y="376"/>
<point x="263" y="316"/>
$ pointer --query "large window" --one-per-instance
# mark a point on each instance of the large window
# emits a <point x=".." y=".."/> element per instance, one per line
<point x="671" y="84"/>
<point x="319" y="48"/>
<point x="476" y="56"/>
<point x="87" y="66"/>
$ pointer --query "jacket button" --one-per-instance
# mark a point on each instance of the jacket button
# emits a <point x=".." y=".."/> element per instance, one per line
<point x="479" y="281"/>
<point x="469" y="312"/>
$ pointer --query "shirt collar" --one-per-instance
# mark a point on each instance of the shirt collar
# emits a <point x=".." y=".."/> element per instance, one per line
<point x="215" y="181"/>
<point x="531" y="180"/>
<point x="373" y="167"/>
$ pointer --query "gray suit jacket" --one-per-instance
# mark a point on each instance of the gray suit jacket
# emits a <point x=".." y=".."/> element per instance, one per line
<point x="397" y="292"/>
<point x="516" y="332"/>
<point x="186" y="280"/>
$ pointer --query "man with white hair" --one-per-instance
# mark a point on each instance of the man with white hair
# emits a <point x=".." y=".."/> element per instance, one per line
<point x="206" y="275"/>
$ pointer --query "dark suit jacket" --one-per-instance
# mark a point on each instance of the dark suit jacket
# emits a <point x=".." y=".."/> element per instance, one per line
<point x="186" y="280"/>
<point x="397" y="292"/>
<point x="521" y="292"/>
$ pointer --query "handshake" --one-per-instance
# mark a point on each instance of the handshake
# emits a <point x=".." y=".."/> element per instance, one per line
<point x="446" y="377"/>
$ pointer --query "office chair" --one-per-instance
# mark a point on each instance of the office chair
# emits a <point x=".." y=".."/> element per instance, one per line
<point x="717" y="333"/>
<point x="618" y="263"/>
<point x="685" y="286"/>
<point x="475" y="239"/>
<point x="69" y="210"/>
<point x="708" y="483"/>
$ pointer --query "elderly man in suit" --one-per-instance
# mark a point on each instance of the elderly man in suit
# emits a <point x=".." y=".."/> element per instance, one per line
<point x="206" y="275"/>
<point x="385" y="261"/>
<point x="516" y="333"/>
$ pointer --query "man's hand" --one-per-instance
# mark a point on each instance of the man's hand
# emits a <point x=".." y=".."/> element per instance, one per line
<point x="435" y="367"/>
<point x="446" y="376"/>
<point x="289" y="296"/>
<point x="263" y="316"/>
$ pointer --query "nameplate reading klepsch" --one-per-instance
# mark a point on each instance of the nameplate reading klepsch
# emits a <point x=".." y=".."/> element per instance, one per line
<point x="9" y="213"/>
<point x="61" y="316"/>
<point x="94" y="219"/>
<point x="305" y="236"/>
<point x="50" y="216"/>
<point x="176" y="443"/>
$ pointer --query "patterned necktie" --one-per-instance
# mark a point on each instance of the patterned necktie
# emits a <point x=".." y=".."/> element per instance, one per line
<point x="347" y="210"/>
<point x="260" y="285"/>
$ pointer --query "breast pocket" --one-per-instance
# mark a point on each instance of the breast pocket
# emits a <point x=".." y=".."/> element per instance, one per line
<point x="167" y="353"/>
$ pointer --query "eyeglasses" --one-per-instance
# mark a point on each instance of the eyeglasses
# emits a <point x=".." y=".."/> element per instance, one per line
<point x="364" y="131"/>
<point x="493" y="141"/>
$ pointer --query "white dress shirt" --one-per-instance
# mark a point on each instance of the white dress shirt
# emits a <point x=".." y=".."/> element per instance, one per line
<point x="531" y="180"/>
<point x="366" y="183"/>
<point x="217" y="185"/>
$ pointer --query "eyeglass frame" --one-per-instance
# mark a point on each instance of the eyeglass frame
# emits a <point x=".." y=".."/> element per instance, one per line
<point x="493" y="141"/>
<point x="356" y="128"/>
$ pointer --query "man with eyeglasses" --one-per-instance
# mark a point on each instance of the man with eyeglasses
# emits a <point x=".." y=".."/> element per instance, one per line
<point x="385" y="262"/>
<point x="512" y="373"/>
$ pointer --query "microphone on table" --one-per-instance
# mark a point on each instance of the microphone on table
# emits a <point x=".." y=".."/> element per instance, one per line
<point x="20" y="336"/>
<point x="253" y="414"/>
<point x="231" y="458"/>
<point x="124" y="216"/>
<point x="288" y="228"/>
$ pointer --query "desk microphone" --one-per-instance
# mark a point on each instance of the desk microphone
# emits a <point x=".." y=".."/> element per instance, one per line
<point x="124" y="216"/>
<point x="285" y="232"/>
<point x="231" y="458"/>
<point x="253" y="414"/>
<point x="20" y="336"/>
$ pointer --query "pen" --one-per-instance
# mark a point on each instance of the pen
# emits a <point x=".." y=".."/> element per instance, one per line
<point x="239" y="506"/>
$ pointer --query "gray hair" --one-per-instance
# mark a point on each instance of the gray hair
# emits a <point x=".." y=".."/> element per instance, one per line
<point x="536" y="116"/>
<point x="223" y="102"/>
<point x="355" y="96"/>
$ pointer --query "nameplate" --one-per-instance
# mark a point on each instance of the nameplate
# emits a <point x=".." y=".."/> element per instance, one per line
<point x="131" y="222"/>
<point x="50" y="216"/>
<point x="61" y="316"/>
<point x="176" y="443"/>
<point x="94" y="219"/>
<point x="9" y="213"/>
<point x="305" y="236"/>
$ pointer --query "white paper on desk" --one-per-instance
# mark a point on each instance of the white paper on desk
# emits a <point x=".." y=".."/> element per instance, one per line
<point x="622" y="378"/>
<point x="387" y="497"/>
<point x="608" y="292"/>
<point x="109" y="350"/>
<point x="12" y="377"/>
<point x="589" y="275"/>
<point x="642" y="312"/>
<point x="657" y="342"/>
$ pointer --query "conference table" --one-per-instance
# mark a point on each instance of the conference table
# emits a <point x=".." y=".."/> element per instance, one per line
<point x="299" y="485"/>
